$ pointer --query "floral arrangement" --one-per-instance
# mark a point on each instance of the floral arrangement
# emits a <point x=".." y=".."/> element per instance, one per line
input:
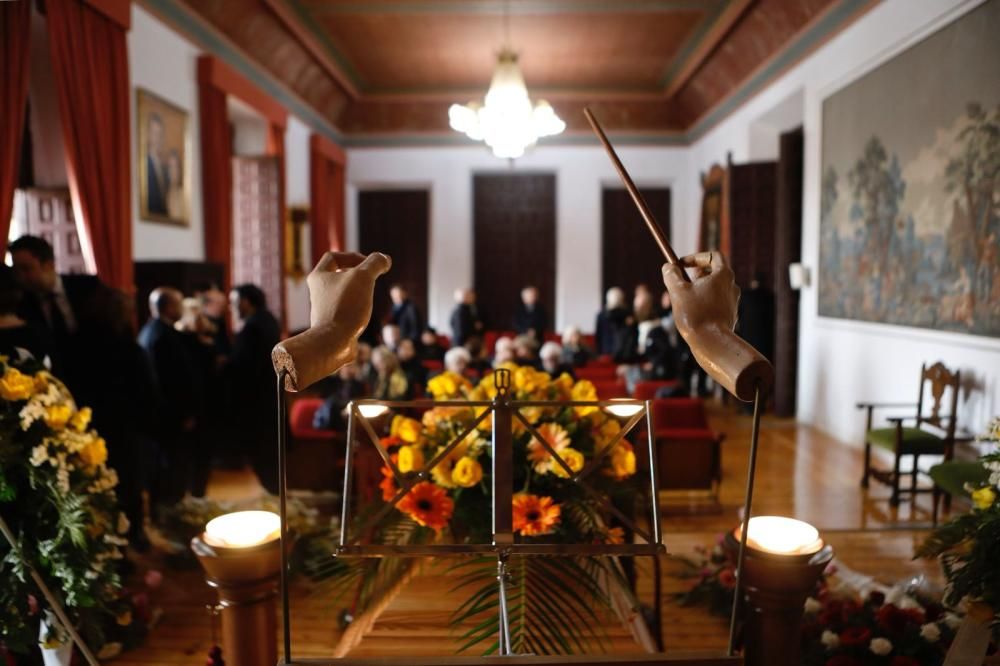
<point x="891" y="628"/>
<point x="554" y="604"/>
<point x="57" y="495"/>
<point x="968" y="546"/>
<point x="713" y="578"/>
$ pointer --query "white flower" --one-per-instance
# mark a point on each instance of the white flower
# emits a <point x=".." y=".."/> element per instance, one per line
<point x="908" y="602"/>
<point x="952" y="620"/>
<point x="31" y="412"/>
<point x="880" y="646"/>
<point x="930" y="632"/>
<point x="812" y="605"/>
<point x="39" y="455"/>
<point x="830" y="640"/>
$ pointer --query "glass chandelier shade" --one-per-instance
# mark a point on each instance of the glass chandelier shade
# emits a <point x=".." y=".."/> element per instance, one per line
<point x="506" y="120"/>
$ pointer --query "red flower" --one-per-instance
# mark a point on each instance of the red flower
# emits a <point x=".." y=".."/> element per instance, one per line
<point x="892" y="619"/>
<point x="900" y="660"/>
<point x="843" y="660"/>
<point x="855" y="636"/>
<point x="727" y="578"/>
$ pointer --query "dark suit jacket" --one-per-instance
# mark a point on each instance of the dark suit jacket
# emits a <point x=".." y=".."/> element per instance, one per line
<point x="250" y="372"/>
<point x="156" y="196"/>
<point x="407" y="317"/>
<point x="465" y="322"/>
<point x="177" y="381"/>
<point x="611" y="327"/>
<point x="534" y="319"/>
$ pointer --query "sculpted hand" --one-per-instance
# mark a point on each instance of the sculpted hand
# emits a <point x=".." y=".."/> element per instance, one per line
<point x="705" y="314"/>
<point x="341" y="289"/>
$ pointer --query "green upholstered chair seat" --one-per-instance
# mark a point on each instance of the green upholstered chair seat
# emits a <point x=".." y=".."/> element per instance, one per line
<point x="915" y="440"/>
<point x="952" y="476"/>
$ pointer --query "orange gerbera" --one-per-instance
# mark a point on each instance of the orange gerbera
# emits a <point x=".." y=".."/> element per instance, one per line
<point x="534" y="515"/>
<point x="556" y="437"/>
<point x="428" y="504"/>
<point x="388" y="483"/>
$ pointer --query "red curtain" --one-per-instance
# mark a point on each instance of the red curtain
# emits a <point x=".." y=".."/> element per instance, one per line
<point x="326" y="194"/>
<point x="90" y="70"/>
<point x="216" y="172"/>
<point x="15" y="31"/>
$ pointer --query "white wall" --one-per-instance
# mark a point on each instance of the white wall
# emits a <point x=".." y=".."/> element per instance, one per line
<point x="841" y="362"/>
<point x="580" y="173"/>
<point x="297" y="194"/>
<point x="164" y="63"/>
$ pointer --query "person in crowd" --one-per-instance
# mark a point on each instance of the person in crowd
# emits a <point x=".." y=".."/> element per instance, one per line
<point x="478" y="362"/>
<point x="178" y="385"/>
<point x="342" y="388"/>
<point x="252" y="382"/>
<point x="405" y="313"/>
<point x="17" y="336"/>
<point x="465" y="320"/>
<point x="642" y="304"/>
<point x="214" y="307"/>
<point x="503" y="351"/>
<point x="411" y="365"/>
<point x="430" y="346"/>
<point x="391" y="336"/>
<point x="530" y="317"/>
<point x="198" y="333"/>
<point x="390" y="382"/>
<point x="363" y="359"/>
<point x="526" y="350"/>
<point x="612" y="322"/>
<point x="457" y="360"/>
<point x="551" y="355"/>
<point x="575" y="353"/>
<point x="62" y="305"/>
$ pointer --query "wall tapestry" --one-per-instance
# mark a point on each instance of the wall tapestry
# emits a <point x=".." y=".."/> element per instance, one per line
<point x="910" y="198"/>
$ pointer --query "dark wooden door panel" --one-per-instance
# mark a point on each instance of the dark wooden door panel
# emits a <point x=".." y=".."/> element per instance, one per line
<point x="752" y="201"/>
<point x="629" y="256"/>
<point x="514" y="239"/>
<point x="787" y="250"/>
<point x="395" y="222"/>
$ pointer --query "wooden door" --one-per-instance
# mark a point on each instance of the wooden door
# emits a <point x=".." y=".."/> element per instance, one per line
<point x="514" y="243"/>
<point x="257" y="257"/>
<point x="629" y="256"/>
<point x="48" y="213"/>
<point x="395" y="222"/>
<point x="752" y="202"/>
<point x="787" y="250"/>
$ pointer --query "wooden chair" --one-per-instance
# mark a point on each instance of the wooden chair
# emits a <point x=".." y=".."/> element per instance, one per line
<point x="914" y="440"/>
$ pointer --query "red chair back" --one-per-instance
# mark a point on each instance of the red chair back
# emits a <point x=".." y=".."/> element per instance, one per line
<point x="679" y="413"/>
<point x="444" y="341"/>
<point x="608" y="389"/>
<point x="432" y="365"/>
<point x="597" y="373"/>
<point x="647" y="390"/>
<point x="589" y="340"/>
<point x="552" y="336"/>
<point x="300" y="418"/>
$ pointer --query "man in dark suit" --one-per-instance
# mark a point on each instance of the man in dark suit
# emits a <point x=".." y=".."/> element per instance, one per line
<point x="62" y="305"/>
<point x="530" y="318"/>
<point x="252" y="381"/>
<point x="405" y="314"/>
<point x="157" y="180"/>
<point x="179" y="392"/>
<point x="466" y="319"/>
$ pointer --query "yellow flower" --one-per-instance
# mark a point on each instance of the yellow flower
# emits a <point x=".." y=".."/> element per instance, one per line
<point x="584" y="391"/>
<point x="80" y="420"/>
<point x="411" y="459"/>
<point x="444" y="471"/>
<point x="622" y="461"/>
<point x="16" y="386"/>
<point x="984" y="497"/>
<point x="41" y="381"/>
<point x="94" y="453"/>
<point x="406" y="429"/>
<point x="564" y="384"/>
<point x="605" y="432"/>
<point x="447" y="385"/>
<point x="529" y="380"/>
<point x="467" y="472"/>
<point x="573" y="458"/>
<point x="56" y="416"/>
<point x="124" y="619"/>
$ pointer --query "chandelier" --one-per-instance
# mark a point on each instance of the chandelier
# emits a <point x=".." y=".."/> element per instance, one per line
<point x="506" y="120"/>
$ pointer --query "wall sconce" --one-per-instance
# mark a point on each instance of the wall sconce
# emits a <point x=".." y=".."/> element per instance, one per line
<point x="784" y="559"/>
<point x="241" y="555"/>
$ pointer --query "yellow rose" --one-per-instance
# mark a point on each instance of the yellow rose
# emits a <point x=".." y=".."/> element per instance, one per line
<point x="443" y="472"/>
<point x="16" y="386"/>
<point x="622" y="461"/>
<point x="81" y="419"/>
<point x="564" y="384"/>
<point x="467" y="473"/>
<point x="411" y="459"/>
<point x="984" y="497"/>
<point x="606" y="432"/>
<point x="584" y="391"/>
<point x="573" y="458"/>
<point x="446" y="385"/>
<point x="94" y="453"/>
<point x="406" y="429"/>
<point x="56" y="416"/>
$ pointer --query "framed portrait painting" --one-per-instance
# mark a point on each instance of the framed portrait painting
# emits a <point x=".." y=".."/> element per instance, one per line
<point x="164" y="183"/>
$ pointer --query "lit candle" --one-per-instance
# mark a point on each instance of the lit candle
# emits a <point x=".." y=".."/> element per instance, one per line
<point x="372" y="411"/>
<point x="782" y="536"/>
<point x="243" y="529"/>
<point x="627" y="409"/>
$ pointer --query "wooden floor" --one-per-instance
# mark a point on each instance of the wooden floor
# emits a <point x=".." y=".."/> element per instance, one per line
<point x="801" y="473"/>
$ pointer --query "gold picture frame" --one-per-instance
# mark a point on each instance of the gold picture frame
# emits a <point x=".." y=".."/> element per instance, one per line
<point x="162" y="158"/>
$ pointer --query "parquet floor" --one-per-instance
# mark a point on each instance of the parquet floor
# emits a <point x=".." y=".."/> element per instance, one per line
<point x="801" y="473"/>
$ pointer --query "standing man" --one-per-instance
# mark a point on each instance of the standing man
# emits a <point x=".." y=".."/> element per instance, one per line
<point x="157" y="179"/>
<point x="405" y="314"/>
<point x="179" y="390"/>
<point x="530" y="318"/>
<point x="252" y="381"/>
<point x="466" y="320"/>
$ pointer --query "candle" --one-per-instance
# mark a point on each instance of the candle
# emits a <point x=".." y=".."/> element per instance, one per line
<point x="782" y="536"/>
<point x="372" y="411"/>
<point x="243" y="529"/>
<point x="627" y="409"/>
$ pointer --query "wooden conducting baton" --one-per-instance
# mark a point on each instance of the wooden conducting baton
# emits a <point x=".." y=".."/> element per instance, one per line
<point x="728" y="358"/>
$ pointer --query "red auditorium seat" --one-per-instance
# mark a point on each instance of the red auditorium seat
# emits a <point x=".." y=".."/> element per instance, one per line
<point x="552" y="336"/>
<point x="300" y="420"/>
<point x="444" y="341"/>
<point x="688" y="451"/>
<point x="597" y="372"/>
<point x="647" y="390"/>
<point x="432" y="365"/>
<point x="610" y="388"/>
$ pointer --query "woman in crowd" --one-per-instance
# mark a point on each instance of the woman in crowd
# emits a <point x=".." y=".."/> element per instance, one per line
<point x="390" y="381"/>
<point x="574" y="352"/>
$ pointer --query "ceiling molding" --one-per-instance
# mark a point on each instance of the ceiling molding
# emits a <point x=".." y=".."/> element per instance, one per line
<point x="497" y="7"/>
<point x="703" y="44"/>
